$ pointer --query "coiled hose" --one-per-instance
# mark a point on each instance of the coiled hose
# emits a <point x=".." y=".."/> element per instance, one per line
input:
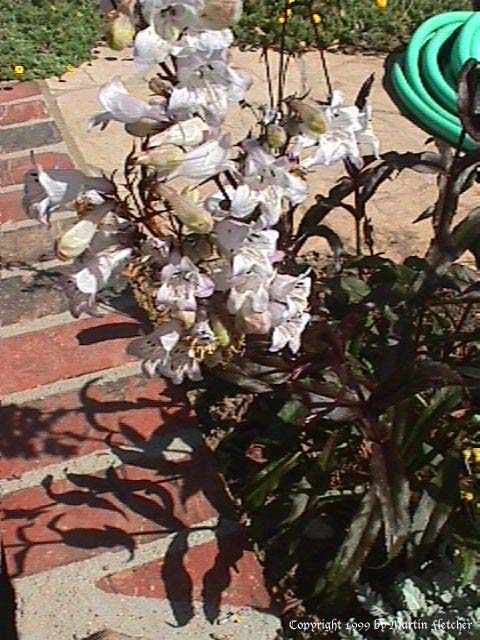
<point x="424" y="79"/>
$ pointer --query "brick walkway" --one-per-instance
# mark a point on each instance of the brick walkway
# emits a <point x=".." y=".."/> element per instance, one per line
<point x="113" y="513"/>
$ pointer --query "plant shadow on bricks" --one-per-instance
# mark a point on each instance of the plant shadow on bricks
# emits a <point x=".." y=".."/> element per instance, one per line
<point x="159" y="480"/>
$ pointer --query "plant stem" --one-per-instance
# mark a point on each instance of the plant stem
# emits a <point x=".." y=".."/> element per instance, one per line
<point x="268" y="75"/>
<point x="282" y="56"/>
<point x="321" y="51"/>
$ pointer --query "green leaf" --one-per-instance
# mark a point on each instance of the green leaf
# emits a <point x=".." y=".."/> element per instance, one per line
<point x="269" y="478"/>
<point x="393" y="492"/>
<point x="293" y="412"/>
<point x="353" y="552"/>
<point x="355" y="289"/>
<point x="436" y="504"/>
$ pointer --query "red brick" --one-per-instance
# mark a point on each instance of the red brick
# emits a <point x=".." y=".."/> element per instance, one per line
<point x="10" y="92"/>
<point x="95" y="418"/>
<point x="79" y="518"/>
<point x="42" y="357"/>
<point x="22" y="112"/>
<point x="11" y="206"/>
<point x="20" y="247"/>
<point x="13" y="170"/>
<point x="221" y="572"/>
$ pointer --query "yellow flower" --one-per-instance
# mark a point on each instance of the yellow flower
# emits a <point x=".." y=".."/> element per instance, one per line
<point x="317" y="19"/>
<point x="467" y="455"/>
<point x="18" y="70"/>
<point x="282" y="18"/>
<point x="476" y="454"/>
<point x="468" y="496"/>
<point x="69" y="68"/>
<point x="381" y="4"/>
<point x="53" y="7"/>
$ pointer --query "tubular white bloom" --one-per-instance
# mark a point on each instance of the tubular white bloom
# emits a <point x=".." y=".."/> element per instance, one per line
<point x="118" y="105"/>
<point x="149" y="48"/>
<point x="206" y="161"/>
<point x="242" y="202"/>
<point x="189" y="133"/>
<point x="347" y="128"/>
<point x="207" y="86"/>
<point x="44" y="192"/>
<point x="155" y="348"/>
<point x="290" y="333"/>
<point x="180" y="364"/>
<point x="82" y="287"/>
<point x="181" y="284"/>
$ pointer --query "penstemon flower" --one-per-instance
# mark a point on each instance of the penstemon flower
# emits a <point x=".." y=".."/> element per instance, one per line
<point x="201" y="224"/>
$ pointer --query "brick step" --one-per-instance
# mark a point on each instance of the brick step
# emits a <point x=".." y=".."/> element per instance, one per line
<point x="57" y="430"/>
<point x="70" y="520"/>
<point x="12" y="170"/>
<point x="21" y="246"/>
<point x="39" y="293"/>
<point x="12" y="91"/>
<point x="222" y="572"/>
<point x="30" y="360"/>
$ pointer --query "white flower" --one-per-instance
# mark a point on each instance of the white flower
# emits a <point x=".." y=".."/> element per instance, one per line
<point x="207" y="88"/>
<point x="205" y="161"/>
<point x="118" y="105"/>
<point x="242" y="202"/>
<point x="154" y="350"/>
<point x="347" y="127"/>
<point x="189" y="133"/>
<point x="171" y="15"/>
<point x="180" y="364"/>
<point x="44" y="192"/>
<point x="203" y="43"/>
<point x="182" y="283"/>
<point x="264" y="169"/>
<point x="149" y="48"/>
<point x="291" y="291"/>
<point x="82" y="287"/>
<point x="290" y="332"/>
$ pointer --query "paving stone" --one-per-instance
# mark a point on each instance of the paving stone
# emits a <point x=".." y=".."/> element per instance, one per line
<point x="29" y="136"/>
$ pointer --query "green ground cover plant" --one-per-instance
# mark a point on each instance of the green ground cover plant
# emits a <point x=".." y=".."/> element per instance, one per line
<point x="43" y="38"/>
<point x="351" y="25"/>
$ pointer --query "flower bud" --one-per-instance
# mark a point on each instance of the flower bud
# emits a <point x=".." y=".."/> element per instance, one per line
<point x="142" y="128"/>
<point x="187" y="318"/>
<point x="160" y="87"/>
<point x="276" y="136"/>
<point x="120" y="32"/>
<point x="77" y="239"/>
<point x="165" y="158"/>
<point x="189" y="133"/>
<point x="196" y="219"/>
<point x="254" y="323"/>
<point x="220" y="14"/>
<point x="312" y="117"/>
<point x="221" y="332"/>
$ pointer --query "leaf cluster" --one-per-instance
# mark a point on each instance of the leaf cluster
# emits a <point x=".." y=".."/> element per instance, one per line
<point x="45" y="36"/>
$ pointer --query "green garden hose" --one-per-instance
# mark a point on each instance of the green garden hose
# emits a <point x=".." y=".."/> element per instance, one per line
<point x="424" y="79"/>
